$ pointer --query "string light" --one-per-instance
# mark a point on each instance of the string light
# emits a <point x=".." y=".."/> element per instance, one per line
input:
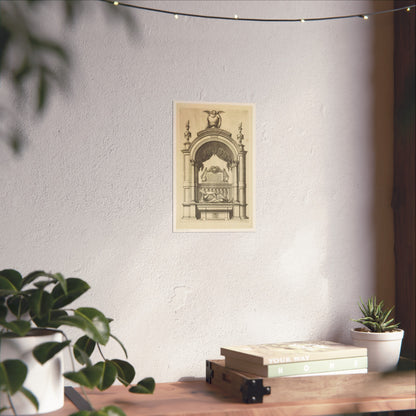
<point x="249" y="19"/>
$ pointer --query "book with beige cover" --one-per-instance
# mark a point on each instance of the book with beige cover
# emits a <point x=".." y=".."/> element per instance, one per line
<point x="292" y="352"/>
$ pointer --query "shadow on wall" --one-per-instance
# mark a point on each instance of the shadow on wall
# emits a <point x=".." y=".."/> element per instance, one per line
<point x="382" y="142"/>
<point x="403" y="202"/>
<point x="363" y="248"/>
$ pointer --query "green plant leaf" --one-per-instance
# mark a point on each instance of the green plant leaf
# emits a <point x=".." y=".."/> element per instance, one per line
<point x="51" y="46"/>
<point x="40" y="304"/>
<point x="20" y="73"/>
<point x="18" y="305"/>
<point x="3" y="312"/>
<point x="43" y="89"/>
<point x="110" y="411"/>
<point x="363" y="308"/>
<point x="98" y="328"/>
<point x="54" y="277"/>
<point x="83" y="349"/>
<point x="43" y="284"/>
<point x="62" y="281"/>
<point x="83" y="358"/>
<point x="13" y="276"/>
<point x="108" y="374"/>
<point x="55" y="316"/>
<point x="89" y="320"/>
<point x="18" y="327"/>
<point x="45" y="351"/>
<point x="125" y="371"/>
<point x="31" y="277"/>
<point x="29" y="395"/>
<point x="75" y="288"/>
<point x="12" y="375"/>
<point x="6" y="287"/>
<point x="70" y="11"/>
<point x="88" y="376"/>
<point x="387" y="314"/>
<point x="105" y="411"/>
<point x="75" y="321"/>
<point x="145" y="386"/>
<point x="83" y="413"/>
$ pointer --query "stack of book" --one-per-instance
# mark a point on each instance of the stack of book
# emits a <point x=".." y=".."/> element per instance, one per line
<point x="296" y="359"/>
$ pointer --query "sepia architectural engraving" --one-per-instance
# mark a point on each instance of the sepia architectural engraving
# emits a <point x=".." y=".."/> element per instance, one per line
<point x="212" y="178"/>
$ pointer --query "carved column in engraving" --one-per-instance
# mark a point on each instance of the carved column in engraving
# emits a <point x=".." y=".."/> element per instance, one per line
<point x="187" y="172"/>
<point x="234" y="189"/>
<point x="193" y="180"/>
<point x="242" y="181"/>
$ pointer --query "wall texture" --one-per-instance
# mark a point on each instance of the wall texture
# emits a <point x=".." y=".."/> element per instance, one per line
<point x="91" y="196"/>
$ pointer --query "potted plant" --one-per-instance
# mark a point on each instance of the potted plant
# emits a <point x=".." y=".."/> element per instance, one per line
<point x="34" y="310"/>
<point x="380" y="335"/>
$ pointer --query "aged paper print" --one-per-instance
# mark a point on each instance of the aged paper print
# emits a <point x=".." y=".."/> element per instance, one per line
<point x="213" y="167"/>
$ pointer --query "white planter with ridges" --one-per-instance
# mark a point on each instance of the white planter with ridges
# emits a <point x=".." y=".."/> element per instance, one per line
<point x="44" y="381"/>
<point x="383" y="348"/>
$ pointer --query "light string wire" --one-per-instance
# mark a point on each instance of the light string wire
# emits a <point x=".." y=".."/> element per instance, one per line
<point x="249" y="19"/>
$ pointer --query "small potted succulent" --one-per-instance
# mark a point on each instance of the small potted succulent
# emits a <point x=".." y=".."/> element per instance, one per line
<point x="34" y="310"/>
<point x="380" y="335"/>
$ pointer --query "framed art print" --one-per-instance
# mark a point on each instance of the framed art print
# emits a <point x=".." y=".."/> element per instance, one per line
<point x="213" y="167"/>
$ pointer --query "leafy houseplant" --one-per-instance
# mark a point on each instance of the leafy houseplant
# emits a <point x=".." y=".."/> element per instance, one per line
<point x="40" y="302"/>
<point x="381" y="335"/>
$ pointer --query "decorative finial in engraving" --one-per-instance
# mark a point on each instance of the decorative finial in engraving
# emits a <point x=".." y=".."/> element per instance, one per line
<point x="214" y="119"/>
<point x="240" y="136"/>
<point x="187" y="133"/>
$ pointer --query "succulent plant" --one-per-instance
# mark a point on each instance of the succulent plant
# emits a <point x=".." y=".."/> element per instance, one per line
<point x="375" y="318"/>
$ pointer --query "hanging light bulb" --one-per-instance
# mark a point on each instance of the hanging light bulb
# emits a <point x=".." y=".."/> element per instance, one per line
<point x="115" y="3"/>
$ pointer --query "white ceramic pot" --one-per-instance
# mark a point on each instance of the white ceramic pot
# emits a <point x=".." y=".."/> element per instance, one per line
<point x="383" y="348"/>
<point x="44" y="381"/>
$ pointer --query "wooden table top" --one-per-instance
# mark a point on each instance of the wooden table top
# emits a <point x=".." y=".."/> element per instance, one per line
<point x="198" y="398"/>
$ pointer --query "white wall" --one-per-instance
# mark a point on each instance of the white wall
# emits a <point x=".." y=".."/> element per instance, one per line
<point x="91" y="196"/>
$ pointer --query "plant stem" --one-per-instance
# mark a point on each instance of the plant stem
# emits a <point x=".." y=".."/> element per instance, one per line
<point x="101" y="353"/>
<point x="11" y="404"/>
<point x="73" y="369"/>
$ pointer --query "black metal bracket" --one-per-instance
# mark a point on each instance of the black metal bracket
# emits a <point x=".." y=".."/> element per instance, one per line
<point x="253" y="391"/>
<point x="77" y="399"/>
<point x="209" y="372"/>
